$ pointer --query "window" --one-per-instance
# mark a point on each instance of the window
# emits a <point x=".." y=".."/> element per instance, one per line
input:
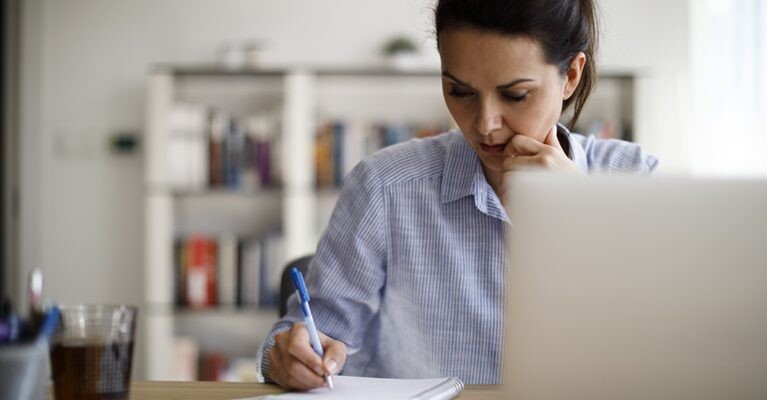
<point x="729" y="86"/>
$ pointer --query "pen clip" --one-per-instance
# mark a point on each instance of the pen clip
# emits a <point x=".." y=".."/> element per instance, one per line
<point x="298" y="282"/>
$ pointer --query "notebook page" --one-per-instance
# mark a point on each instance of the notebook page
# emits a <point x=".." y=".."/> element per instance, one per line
<point x="352" y="387"/>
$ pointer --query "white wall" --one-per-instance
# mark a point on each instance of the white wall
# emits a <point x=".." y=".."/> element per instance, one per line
<point x="652" y="37"/>
<point x="84" y="65"/>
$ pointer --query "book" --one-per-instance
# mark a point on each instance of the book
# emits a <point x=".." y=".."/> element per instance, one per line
<point x="212" y="366"/>
<point x="201" y="272"/>
<point x="272" y="263"/>
<point x="227" y="270"/>
<point x="353" y="387"/>
<point x="216" y="132"/>
<point x="187" y="157"/>
<point x="250" y="274"/>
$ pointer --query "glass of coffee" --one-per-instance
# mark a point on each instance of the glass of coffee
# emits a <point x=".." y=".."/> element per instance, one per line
<point x="92" y="352"/>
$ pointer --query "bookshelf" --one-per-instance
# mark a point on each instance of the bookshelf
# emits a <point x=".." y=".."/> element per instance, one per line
<point x="298" y="102"/>
<point x="181" y="202"/>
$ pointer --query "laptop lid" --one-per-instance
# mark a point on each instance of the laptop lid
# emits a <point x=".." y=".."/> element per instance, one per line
<point x="636" y="288"/>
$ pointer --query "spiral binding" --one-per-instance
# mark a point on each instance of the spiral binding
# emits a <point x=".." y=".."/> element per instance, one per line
<point x="449" y="389"/>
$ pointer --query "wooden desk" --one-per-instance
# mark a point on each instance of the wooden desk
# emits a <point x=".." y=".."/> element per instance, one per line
<point x="228" y="391"/>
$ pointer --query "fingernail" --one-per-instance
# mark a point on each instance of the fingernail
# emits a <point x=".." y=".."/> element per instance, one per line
<point x="332" y="366"/>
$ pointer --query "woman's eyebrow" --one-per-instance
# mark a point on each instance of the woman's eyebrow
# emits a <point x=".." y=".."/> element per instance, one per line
<point x="449" y="75"/>
<point x="514" y="82"/>
<point x="503" y="86"/>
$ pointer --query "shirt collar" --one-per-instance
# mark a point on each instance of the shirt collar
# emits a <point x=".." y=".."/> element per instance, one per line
<point x="462" y="166"/>
<point x="575" y="151"/>
<point x="464" y="177"/>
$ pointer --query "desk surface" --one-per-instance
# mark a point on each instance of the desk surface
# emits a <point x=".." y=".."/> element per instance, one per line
<point x="228" y="391"/>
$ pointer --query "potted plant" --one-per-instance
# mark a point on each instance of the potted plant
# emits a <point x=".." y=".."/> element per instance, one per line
<point x="401" y="52"/>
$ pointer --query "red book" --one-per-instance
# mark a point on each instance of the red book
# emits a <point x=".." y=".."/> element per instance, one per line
<point x="211" y="261"/>
<point x="213" y="366"/>
<point x="201" y="272"/>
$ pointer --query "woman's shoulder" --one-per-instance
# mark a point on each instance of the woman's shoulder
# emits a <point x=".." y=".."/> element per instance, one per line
<point x="614" y="155"/>
<point x="421" y="158"/>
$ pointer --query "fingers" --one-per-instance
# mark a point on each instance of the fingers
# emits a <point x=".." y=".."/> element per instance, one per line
<point x="527" y="146"/>
<point x="532" y="154"/>
<point x="335" y="354"/>
<point x="290" y="373"/>
<point x="525" y="163"/>
<point x="293" y="363"/>
<point x="552" y="139"/>
<point x="300" y="347"/>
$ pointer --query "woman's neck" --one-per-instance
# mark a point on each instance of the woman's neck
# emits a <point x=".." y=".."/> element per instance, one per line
<point x="495" y="179"/>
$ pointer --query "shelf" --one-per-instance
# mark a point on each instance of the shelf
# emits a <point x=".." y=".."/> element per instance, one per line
<point x="183" y="312"/>
<point x="226" y="311"/>
<point x="227" y="193"/>
<point x="218" y="71"/>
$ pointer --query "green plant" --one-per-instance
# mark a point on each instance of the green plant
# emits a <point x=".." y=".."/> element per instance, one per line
<point x="399" y="44"/>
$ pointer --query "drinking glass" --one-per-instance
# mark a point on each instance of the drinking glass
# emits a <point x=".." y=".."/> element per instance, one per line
<point x="92" y="352"/>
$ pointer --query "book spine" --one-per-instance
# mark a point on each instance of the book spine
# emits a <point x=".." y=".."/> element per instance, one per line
<point x="196" y="274"/>
<point x="251" y="273"/>
<point x="179" y="270"/>
<point x="210" y="263"/>
<point x="338" y="138"/>
<point x="227" y="270"/>
<point x="263" y="161"/>
<point x="217" y="129"/>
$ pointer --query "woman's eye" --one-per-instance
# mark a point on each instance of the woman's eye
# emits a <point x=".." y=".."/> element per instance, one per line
<point x="459" y="93"/>
<point x="515" y="97"/>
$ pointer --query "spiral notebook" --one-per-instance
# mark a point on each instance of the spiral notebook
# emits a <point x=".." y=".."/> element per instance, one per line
<point x="353" y="387"/>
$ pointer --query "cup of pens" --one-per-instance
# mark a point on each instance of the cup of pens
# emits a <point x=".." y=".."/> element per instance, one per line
<point x="92" y="352"/>
<point x="24" y="353"/>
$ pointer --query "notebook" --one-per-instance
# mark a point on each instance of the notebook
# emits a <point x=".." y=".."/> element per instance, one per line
<point x="353" y="387"/>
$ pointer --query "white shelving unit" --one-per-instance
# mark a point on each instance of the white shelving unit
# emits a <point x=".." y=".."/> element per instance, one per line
<point x="297" y="208"/>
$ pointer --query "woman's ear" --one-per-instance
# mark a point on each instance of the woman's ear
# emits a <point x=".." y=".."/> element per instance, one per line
<point x="573" y="75"/>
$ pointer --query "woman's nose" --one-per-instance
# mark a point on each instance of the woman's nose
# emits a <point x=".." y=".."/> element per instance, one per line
<point x="489" y="118"/>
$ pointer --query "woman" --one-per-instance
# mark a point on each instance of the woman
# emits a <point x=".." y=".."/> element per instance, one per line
<point x="407" y="279"/>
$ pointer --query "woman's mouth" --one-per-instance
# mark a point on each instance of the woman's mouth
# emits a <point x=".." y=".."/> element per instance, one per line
<point x="496" y="149"/>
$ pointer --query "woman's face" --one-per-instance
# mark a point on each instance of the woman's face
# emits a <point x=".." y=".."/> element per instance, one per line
<point x="498" y="86"/>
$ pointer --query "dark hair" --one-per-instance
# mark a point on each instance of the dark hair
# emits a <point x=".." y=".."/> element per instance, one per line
<point x="563" y="28"/>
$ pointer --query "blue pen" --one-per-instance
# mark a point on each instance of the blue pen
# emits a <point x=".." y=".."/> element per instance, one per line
<point x="49" y="324"/>
<point x="303" y="297"/>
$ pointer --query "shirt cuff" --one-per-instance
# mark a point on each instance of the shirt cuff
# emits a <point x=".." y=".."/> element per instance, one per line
<point x="262" y="356"/>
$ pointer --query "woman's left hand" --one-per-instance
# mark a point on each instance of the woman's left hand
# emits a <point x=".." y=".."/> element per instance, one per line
<point x="525" y="153"/>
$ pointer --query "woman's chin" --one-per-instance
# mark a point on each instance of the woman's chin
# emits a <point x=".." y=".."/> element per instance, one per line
<point x="493" y="163"/>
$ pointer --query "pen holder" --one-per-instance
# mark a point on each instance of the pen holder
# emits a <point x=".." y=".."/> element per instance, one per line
<point x="24" y="370"/>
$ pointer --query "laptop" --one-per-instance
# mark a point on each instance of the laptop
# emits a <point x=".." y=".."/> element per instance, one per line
<point x="636" y="288"/>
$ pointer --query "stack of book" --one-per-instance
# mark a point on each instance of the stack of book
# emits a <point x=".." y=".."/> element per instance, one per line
<point x="341" y="144"/>
<point x="209" y="148"/>
<point x="228" y="271"/>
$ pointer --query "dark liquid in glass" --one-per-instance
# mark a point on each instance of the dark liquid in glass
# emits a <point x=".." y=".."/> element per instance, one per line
<point x="91" y="371"/>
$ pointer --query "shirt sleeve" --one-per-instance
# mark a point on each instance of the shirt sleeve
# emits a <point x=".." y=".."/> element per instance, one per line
<point x="612" y="155"/>
<point x="347" y="274"/>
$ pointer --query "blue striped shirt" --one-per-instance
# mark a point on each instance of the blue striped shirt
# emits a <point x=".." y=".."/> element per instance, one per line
<point x="409" y="273"/>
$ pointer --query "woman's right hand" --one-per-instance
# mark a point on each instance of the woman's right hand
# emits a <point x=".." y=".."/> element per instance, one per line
<point x="294" y="365"/>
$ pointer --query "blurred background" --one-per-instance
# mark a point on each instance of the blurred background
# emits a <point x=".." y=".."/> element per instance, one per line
<point x="177" y="154"/>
